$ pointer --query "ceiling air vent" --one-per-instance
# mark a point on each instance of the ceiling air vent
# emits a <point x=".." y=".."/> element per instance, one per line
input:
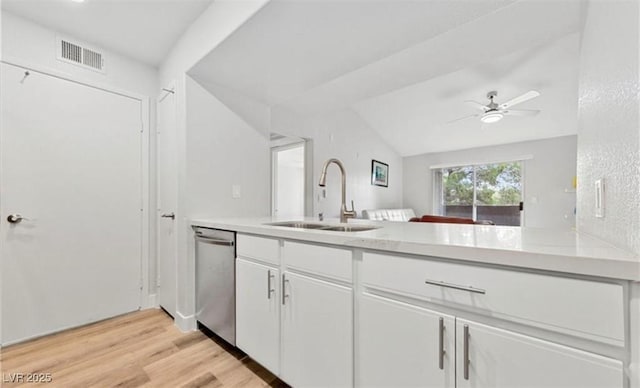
<point x="80" y="54"/>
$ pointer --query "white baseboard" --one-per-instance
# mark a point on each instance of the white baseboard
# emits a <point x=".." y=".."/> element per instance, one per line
<point x="185" y="323"/>
<point x="152" y="301"/>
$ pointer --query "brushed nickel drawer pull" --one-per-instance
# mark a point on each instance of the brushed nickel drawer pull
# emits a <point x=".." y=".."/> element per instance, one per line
<point x="456" y="286"/>
<point x="284" y="292"/>
<point x="466" y="352"/>
<point x="441" y="351"/>
<point x="269" y="289"/>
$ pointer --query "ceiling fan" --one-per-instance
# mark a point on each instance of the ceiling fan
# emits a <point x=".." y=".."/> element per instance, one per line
<point x="494" y="112"/>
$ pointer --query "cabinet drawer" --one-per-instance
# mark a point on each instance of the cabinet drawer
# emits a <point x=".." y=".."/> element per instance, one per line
<point x="331" y="262"/>
<point x="260" y="248"/>
<point x="584" y="308"/>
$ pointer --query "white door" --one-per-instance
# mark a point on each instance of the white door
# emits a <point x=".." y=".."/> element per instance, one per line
<point x="401" y="345"/>
<point x="258" y="313"/>
<point x="317" y="331"/>
<point x="498" y="358"/>
<point x="71" y="165"/>
<point x="167" y="202"/>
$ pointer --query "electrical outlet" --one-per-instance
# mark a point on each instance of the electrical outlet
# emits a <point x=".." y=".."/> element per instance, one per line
<point x="235" y="191"/>
<point x="599" y="209"/>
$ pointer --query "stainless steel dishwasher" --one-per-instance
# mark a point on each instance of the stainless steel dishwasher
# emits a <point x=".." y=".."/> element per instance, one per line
<point x="215" y="281"/>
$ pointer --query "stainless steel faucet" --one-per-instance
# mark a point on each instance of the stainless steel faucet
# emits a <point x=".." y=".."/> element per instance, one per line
<point x="344" y="213"/>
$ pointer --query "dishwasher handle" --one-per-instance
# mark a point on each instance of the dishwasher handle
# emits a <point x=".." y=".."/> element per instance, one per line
<point x="214" y="241"/>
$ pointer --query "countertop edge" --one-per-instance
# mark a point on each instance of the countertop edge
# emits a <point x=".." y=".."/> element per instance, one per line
<point x="610" y="268"/>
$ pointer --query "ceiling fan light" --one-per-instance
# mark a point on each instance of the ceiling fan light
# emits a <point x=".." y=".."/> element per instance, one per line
<point x="491" y="117"/>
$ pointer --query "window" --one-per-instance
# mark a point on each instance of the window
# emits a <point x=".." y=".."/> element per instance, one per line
<point x="485" y="192"/>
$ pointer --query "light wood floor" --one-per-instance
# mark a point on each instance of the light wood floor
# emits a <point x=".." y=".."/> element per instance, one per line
<point x="142" y="349"/>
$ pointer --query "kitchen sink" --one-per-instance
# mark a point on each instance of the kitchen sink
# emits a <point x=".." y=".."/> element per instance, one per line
<point x="331" y="228"/>
<point x="350" y="228"/>
<point x="299" y="225"/>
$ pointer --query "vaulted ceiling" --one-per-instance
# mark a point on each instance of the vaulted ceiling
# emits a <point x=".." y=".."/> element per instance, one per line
<point x="407" y="66"/>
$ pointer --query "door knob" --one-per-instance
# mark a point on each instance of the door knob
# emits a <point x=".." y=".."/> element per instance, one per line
<point x="169" y="215"/>
<point x="15" y="218"/>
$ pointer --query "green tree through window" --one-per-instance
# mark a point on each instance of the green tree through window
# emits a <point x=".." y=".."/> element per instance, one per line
<point x="497" y="188"/>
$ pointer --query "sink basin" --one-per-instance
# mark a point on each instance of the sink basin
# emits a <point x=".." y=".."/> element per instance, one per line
<point x="299" y="224"/>
<point x="349" y="228"/>
<point x="331" y="228"/>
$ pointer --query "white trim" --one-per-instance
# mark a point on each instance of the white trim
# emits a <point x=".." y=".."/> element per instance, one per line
<point x="185" y="323"/>
<point x="274" y="180"/>
<point x="152" y="301"/>
<point x="17" y="62"/>
<point x="147" y="240"/>
<point x="162" y="95"/>
<point x="478" y="163"/>
<point x="288" y="146"/>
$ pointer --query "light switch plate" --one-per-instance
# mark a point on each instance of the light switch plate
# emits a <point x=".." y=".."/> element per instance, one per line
<point x="599" y="208"/>
<point x="235" y="191"/>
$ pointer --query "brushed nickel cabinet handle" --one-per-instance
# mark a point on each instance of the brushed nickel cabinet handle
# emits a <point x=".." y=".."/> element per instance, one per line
<point x="269" y="289"/>
<point x="441" y="351"/>
<point x="456" y="286"/>
<point x="284" y="295"/>
<point x="466" y="352"/>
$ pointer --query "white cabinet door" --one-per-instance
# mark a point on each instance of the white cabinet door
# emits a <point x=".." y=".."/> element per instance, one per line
<point x="258" y="313"/>
<point x="400" y="345"/>
<point x="317" y="320"/>
<point x="498" y="358"/>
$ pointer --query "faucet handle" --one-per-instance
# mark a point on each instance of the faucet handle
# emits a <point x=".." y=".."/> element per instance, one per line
<point x="352" y="213"/>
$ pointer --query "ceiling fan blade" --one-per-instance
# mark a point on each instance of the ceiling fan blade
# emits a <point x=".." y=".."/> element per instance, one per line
<point x="520" y="99"/>
<point x="463" y="118"/>
<point x="477" y="105"/>
<point x="521" y="112"/>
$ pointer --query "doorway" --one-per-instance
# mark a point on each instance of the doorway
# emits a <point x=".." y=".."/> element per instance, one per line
<point x="71" y="225"/>
<point x="290" y="176"/>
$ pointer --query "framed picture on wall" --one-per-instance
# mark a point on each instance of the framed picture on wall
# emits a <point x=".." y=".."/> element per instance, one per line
<point x="379" y="173"/>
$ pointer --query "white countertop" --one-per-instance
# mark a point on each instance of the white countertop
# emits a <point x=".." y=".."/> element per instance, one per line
<point x="561" y="250"/>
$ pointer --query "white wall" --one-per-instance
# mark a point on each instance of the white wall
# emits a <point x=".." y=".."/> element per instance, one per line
<point x="32" y="44"/>
<point x="344" y="135"/>
<point x="223" y="150"/>
<point x="546" y="177"/>
<point x="216" y="150"/>
<point x="608" y="128"/>
<point x="213" y="26"/>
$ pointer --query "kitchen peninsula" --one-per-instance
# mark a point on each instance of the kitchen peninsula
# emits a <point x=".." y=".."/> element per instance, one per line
<point x="435" y="304"/>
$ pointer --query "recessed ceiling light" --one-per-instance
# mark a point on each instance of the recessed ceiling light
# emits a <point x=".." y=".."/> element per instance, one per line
<point x="78" y="1"/>
<point x="491" y="117"/>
